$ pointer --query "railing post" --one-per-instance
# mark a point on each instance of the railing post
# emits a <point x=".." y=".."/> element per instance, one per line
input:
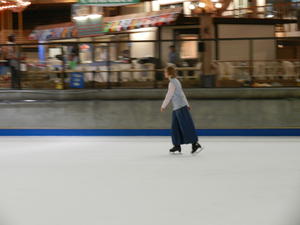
<point x="119" y="77"/>
<point x="154" y="78"/>
<point x="251" y="60"/>
<point x="158" y="49"/>
<point x="108" y="65"/>
<point x="94" y="82"/>
<point x="19" y="76"/>
<point x="64" y="67"/>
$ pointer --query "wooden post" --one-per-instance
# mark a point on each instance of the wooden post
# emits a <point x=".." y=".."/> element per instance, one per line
<point x="251" y="64"/>
<point x="64" y="67"/>
<point x="20" y="24"/>
<point x="9" y="20"/>
<point x="108" y="67"/>
<point x="2" y="26"/>
<point x="253" y="7"/>
<point x="206" y="26"/>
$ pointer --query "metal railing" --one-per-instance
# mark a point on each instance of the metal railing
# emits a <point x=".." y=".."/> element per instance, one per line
<point x="238" y="62"/>
<point x="130" y="78"/>
<point x="282" y="10"/>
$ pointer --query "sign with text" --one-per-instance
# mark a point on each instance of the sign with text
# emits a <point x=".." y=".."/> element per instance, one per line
<point x="107" y="2"/>
<point x="88" y="19"/>
<point x="85" y="10"/>
<point x="77" y="80"/>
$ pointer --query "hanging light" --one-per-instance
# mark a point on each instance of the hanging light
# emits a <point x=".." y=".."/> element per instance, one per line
<point x="80" y="18"/>
<point x="201" y="4"/>
<point x="192" y="6"/>
<point x="94" y="16"/>
<point x="17" y="5"/>
<point x="218" y="5"/>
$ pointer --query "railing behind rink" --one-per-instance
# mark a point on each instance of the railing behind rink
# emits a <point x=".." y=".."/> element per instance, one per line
<point x="130" y="78"/>
<point x="261" y="73"/>
<point x="283" y="10"/>
<point x="235" y="73"/>
<point x="226" y="73"/>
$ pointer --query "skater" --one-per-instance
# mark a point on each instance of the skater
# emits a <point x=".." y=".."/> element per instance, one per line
<point x="183" y="129"/>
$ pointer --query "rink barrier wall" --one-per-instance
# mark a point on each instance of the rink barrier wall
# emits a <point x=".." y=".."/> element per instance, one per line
<point x="146" y="94"/>
<point x="147" y="132"/>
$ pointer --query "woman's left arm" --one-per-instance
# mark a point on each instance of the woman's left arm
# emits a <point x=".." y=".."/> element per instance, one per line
<point x="169" y="95"/>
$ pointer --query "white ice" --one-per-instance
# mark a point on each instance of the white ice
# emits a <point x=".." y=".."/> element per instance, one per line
<point x="135" y="181"/>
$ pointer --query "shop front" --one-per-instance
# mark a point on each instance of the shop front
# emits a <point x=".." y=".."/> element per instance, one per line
<point x="117" y="45"/>
<point x="111" y="50"/>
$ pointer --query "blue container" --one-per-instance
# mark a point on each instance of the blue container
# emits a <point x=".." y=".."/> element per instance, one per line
<point x="3" y="70"/>
<point x="77" y="80"/>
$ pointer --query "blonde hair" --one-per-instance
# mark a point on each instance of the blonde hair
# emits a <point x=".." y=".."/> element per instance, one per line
<point x="171" y="71"/>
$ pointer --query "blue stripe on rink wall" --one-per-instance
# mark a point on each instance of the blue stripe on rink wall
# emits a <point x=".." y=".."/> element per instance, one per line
<point x="147" y="132"/>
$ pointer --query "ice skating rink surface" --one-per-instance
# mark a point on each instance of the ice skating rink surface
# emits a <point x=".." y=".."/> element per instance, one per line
<point x="135" y="181"/>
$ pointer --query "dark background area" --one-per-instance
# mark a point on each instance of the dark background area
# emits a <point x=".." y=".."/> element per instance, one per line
<point x="44" y="14"/>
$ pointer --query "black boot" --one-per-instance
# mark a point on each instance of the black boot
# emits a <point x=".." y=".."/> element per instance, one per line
<point x="176" y="148"/>
<point x="195" y="147"/>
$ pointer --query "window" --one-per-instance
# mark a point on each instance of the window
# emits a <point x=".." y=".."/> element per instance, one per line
<point x="85" y="53"/>
<point x="188" y="49"/>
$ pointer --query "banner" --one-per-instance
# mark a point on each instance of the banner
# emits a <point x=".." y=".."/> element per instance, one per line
<point x="57" y="33"/>
<point x="107" y="2"/>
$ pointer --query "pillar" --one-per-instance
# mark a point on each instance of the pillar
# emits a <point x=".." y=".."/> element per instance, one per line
<point x="206" y="31"/>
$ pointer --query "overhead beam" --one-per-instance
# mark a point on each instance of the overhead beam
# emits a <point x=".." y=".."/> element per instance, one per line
<point x="39" y="2"/>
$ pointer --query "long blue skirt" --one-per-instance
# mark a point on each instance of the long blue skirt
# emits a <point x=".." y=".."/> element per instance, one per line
<point x="183" y="128"/>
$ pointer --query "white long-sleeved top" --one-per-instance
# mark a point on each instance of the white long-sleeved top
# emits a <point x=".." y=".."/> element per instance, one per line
<point x="176" y="94"/>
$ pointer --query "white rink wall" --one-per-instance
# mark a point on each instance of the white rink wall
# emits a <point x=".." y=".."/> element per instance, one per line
<point x="145" y="114"/>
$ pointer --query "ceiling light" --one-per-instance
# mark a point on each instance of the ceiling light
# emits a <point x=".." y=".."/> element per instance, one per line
<point x="192" y="7"/>
<point x="218" y="5"/>
<point x="201" y="4"/>
<point x="80" y="18"/>
<point x="94" y="16"/>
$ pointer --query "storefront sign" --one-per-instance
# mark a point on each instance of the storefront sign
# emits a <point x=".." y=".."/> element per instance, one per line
<point x="88" y="19"/>
<point x="89" y="27"/>
<point x="107" y="2"/>
<point x="85" y="10"/>
<point x="141" y="22"/>
<point x="167" y="2"/>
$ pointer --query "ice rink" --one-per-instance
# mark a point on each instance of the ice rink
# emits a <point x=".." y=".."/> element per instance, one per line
<point x="135" y="181"/>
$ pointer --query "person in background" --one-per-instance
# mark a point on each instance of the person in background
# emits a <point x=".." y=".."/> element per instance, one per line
<point x="173" y="56"/>
<point x="74" y="58"/>
<point x="183" y="128"/>
<point x="10" y="54"/>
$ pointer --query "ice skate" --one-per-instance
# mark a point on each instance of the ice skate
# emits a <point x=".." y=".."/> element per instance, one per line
<point x="175" y="149"/>
<point x="196" y="148"/>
